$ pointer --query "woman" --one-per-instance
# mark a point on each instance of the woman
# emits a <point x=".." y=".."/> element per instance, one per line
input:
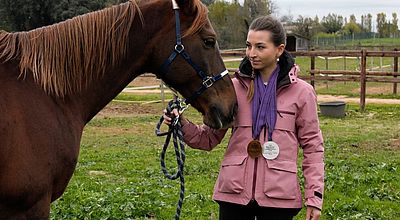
<point x="276" y="113"/>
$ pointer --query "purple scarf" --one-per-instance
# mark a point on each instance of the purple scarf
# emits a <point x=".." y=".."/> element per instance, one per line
<point x="264" y="104"/>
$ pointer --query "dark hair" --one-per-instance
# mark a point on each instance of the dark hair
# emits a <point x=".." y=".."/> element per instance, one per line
<point x="269" y="23"/>
<point x="278" y="35"/>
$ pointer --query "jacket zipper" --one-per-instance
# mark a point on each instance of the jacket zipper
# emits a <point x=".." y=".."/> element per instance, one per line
<point x="253" y="192"/>
<point x="285" y="112"/>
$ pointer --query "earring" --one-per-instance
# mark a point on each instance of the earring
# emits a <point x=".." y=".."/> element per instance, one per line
<point x="277" y="59"/>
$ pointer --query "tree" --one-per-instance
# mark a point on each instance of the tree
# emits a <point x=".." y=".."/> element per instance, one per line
<point x="227" y="19"/>
<point x="352" y="28"/>
<point x="366" y="23"/>
<point x="381" y="24"/>
<point x="208" y="2"/>
<point x="3" y="21"/>
<point x="257" y="8"/>
<point x="26" y="14"/>
<point x="304" y="26"/>
<point x="353" y="18"/>
<point x="369" y="22"/>
<point x="395" y="27"/>
<point x="287" y="19"/>
<point x="70" y="8"/>
<point x="332" y="23"/>
<point x="22" y="15"/>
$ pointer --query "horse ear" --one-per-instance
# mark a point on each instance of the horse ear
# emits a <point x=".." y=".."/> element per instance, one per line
<point x="187" y="6"/>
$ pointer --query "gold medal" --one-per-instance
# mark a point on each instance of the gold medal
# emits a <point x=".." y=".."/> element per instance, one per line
<point x="254" y="149"/>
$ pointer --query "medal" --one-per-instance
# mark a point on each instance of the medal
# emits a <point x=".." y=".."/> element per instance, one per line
<point x="254" y="149"/>
<point x="270" y="150"/>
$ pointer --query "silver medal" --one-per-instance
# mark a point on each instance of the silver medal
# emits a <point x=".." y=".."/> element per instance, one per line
<point x="270" y="150"/>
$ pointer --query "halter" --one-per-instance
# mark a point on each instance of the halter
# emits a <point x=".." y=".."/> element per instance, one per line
<point x="179" y="49"/>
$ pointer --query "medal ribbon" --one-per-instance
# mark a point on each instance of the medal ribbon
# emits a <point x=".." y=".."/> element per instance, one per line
<point x="264" y="104"/>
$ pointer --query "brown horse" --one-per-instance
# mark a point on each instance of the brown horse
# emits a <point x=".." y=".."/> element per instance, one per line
<point x="55" y="79"/>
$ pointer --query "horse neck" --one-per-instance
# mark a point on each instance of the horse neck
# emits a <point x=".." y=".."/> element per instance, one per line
<point x="102" y="91"/>
<point x="137" y="61"/>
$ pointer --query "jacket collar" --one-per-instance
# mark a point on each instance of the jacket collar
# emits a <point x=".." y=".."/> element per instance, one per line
<point x="286" y="63"/>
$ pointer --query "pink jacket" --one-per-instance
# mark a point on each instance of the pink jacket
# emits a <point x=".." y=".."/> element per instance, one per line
<point x="272" y="183"/>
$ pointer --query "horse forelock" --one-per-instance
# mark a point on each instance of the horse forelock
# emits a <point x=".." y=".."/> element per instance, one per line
<point x="66" y="56"/>
<point x="200" y="19"/>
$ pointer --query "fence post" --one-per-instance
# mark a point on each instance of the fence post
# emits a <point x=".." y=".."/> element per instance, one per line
<point x="162" y="88"/>
<point x="363" y="79"/>
<point x="312" y="67"/>
<point x="326" y="63"/>
<point x="396" y="70"/>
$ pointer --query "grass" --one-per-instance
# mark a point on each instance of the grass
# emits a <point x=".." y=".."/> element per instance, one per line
<point x="118" y="175"/>
<point x="142" y="98"/>
<point x="375" y="41"/>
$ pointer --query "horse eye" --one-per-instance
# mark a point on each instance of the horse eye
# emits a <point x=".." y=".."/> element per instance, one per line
<point x="209" y="42"/>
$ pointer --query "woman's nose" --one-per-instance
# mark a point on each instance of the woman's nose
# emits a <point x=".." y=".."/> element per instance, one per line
<point x="251" y="53"/>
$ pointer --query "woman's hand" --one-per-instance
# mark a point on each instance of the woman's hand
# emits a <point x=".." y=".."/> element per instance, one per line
<point x="313" y="213"/>
<point x="169" y="117"/>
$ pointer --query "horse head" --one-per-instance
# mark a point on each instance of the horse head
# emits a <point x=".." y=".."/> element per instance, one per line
<point x="192" y="64"/>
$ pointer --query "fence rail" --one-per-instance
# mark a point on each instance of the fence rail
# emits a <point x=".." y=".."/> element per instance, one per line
<point x="362" y="75"/>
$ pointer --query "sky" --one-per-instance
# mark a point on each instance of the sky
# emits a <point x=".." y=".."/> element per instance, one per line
<point x="310" y="8"/>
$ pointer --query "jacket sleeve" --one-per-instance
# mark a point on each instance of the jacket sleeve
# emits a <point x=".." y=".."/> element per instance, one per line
<point x="310" y="139"/>
<point x="201" y="136"/>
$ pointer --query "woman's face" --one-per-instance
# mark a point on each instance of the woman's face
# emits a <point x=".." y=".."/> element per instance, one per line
<point x="261" y="51"/>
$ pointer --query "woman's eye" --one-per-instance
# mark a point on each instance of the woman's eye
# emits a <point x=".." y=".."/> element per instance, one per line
<point x="209" y="42"/>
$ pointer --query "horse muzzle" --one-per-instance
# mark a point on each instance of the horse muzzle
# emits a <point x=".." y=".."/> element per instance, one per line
<point x="218" y="118"/>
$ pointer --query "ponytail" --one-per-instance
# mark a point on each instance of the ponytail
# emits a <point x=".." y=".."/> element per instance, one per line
<point x="250" y="90"/>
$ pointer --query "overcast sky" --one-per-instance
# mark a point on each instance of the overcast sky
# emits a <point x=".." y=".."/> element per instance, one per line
<point x="345" y="8"/>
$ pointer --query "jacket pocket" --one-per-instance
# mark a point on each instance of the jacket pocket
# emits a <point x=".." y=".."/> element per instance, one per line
<point x="285" y="121"/>
<point x="231" y="177"/>
<point x="281" y="179"/>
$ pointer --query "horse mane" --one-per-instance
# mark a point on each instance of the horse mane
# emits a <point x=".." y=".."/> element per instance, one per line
<point x="65" y="57"/>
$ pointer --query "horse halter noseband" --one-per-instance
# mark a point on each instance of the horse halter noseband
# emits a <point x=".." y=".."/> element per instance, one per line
<point x="179" y="49"/>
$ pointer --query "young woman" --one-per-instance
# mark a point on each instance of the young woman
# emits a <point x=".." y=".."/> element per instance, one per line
<point x="277" y="114"/>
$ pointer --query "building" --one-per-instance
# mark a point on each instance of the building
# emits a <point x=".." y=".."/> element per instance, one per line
<point x="295" y="42"/>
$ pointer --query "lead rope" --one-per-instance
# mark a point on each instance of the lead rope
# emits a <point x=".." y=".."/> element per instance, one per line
<point x="175" y="129"/>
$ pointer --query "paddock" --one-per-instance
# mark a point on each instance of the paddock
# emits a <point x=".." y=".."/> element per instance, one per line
<point x="119" y="177"/>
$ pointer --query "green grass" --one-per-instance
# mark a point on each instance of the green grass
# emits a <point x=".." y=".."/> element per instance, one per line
<point x="375" y="42"/>
<point x="142" y="98"/>
<point x="118" y="175"/>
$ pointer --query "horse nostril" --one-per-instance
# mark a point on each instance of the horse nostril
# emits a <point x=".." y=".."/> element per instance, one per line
<point x="223" y="119"/>
<point x="217" y="117"/>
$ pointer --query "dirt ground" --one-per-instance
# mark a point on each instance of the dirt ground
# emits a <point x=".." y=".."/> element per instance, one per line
<point x="328" y="98"/>
<point x="127" y="109"/>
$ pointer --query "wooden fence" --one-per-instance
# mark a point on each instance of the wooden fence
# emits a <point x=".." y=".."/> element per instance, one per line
<point x="362" y="75"/>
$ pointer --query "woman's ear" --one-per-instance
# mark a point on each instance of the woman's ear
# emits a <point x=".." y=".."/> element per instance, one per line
<point x="281" y="49"/>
